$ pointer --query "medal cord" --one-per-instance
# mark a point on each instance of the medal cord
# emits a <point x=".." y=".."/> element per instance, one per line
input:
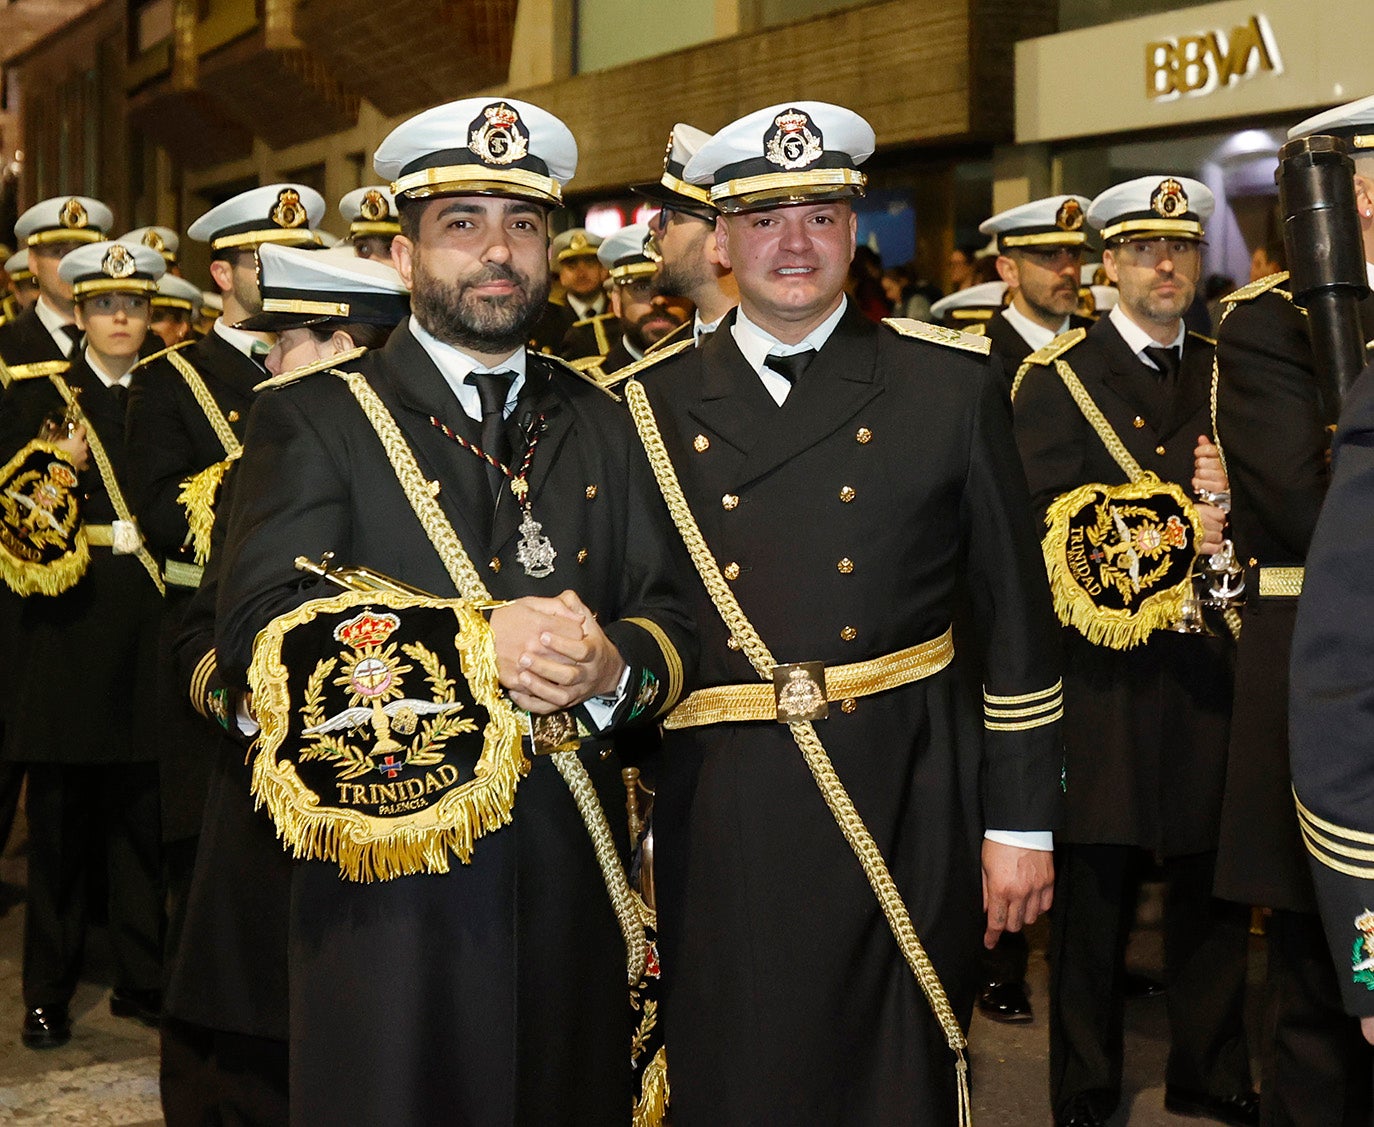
<point x="837" y="799"/>
<point x="519" y="482"/>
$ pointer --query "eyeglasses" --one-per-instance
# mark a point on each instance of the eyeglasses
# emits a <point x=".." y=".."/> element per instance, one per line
<point x="639" y="289"/>
<point x="1054" y="256"/>
<point x="1151" y="252"/>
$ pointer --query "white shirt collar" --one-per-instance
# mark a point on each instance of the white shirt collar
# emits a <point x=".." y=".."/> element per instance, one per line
<point x="1369" y="269"/>
<point x="700" y="328"/>
<point x="56" y="324"/>
<point x="585" y="309"/>
<point x="1037" y="336"/>
<point x="635" y="353"/>
<point x="456" y="365"/>
<point x="1137" y="339"/>
<point x="100" y="373"/>
<point x="238" y="339"/>
<point x="756" y="345"/>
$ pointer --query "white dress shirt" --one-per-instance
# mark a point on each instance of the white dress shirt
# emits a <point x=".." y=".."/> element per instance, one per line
<point x="245" y="342"/>
<point x="1035" y="335"/>
<point x="1138" y="340"/>
<point x="56" y="325"/>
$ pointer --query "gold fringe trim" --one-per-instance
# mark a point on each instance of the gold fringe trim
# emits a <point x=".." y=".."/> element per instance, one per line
<point x="837" y="799"/>
<point x="652" y="1104"/>
<point x="197" y="496"/>
<point x="24" y="577"/>
<point x="1107" y="626"/>
<point x="368" y="848"/>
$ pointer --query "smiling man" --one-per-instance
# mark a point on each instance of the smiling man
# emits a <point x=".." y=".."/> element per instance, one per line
<point x="493" y="993"/>
<point x="842" y="476"/>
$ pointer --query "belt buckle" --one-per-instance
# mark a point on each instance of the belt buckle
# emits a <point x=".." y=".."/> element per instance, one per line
<point x="799" y="691"/>
<point x="552" y="733"/>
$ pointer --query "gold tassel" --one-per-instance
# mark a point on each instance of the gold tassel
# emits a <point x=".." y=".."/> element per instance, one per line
<point x="198" y="495"/>
<point x="654" y="1093"/>
<point x="965" y="1097"/>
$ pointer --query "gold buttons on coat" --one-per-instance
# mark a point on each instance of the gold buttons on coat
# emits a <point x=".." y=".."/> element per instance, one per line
<point x="863" y="436"/>
<point x="845" y="566"/>
<point x="849" y="704"/>
<point x="1159" y="449"/>
<point x="495" y="564"/>
<point x="233" y="416"/>
<point x="1137" y="422"/>
<point x="848" y="634"/>
<point x="701" y="444"/>
<point x="729" y="502"/>
<point x="847" y="494"/>
<point x="591" y="493"/>
<point x="731" y="571"/>
<point x="582" y="555"/>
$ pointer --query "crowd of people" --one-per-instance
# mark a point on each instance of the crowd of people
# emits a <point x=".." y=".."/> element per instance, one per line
<point x="353" y="609"/>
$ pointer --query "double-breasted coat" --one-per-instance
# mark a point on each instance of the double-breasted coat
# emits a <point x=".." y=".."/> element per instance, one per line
<point x="494" y="994"/>
<point x="843" y="520"/>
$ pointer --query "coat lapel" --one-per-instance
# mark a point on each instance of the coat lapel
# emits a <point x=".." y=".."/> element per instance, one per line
<point x="733" y="405"/>
<point x="1193" y="389"/>
<point x="839" y="382"/>
<point x="1129" y="379"/>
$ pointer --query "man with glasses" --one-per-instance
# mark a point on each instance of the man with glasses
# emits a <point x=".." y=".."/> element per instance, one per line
<point x="1146" y="716"/>
<point x="684" y="232"/>
<point x="1040" y="252"/>
<point x="50" y="230"/>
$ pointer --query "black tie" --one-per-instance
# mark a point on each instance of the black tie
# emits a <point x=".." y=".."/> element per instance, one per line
<point x="75" y="334"/>
<point x="791" y="367"/>
<point x="492" y="389"/>
<point x="1166" y="360"/>
<point x="121" y="396"/>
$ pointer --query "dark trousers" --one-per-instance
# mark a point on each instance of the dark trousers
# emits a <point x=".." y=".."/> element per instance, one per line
<point x="1006" y="962"/>
<point x="1315" y="1061"/>
<point x="1204" y="972"/>
<point x="11" y="783"/>
<point x="73" y="810"/>
<point x="178" y="866"/>
<point x="214" y="1078"/>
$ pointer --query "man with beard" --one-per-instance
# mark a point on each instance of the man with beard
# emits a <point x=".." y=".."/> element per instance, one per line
<point x="1040" y="253"/>
<point x="684" y="232"/>
<point x="644" y="314"/>
<point x="1146" y="709"/>
<point x="494" y="993"/>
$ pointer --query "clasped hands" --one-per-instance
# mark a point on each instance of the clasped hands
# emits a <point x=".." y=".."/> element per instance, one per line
<point x="1209" y="477"/>
<point x="552" y="654"/>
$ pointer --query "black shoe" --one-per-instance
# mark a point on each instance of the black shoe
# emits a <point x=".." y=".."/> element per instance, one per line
<point x="1241" y="1109"/>
<point x="1080" y="1111"/>
<point x="46" y="1027"/>
<point x="142" y="1005"/>
<point x="1005" y="1001"/>
<point x="1142" y="985"/>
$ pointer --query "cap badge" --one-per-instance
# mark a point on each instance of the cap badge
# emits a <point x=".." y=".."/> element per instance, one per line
<point x="1069" y="217"/>
<point x="153" y="241"/>
<point x="288" y="211"/>
<point x="578" y="242"/>
<point x="1169" y="199"/>
<point x="373" y="206"/>
<point x="499" y="136"/>
<point x="118" y="262"/>
<point x="794" y="141"/>
<point x="72" y="214"/>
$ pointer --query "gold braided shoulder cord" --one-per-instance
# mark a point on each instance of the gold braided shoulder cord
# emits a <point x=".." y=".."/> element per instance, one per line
<point x="841" y="807"/>
<point x="213" y="415"/>
<point x="107" y="475"/>
<point x="420" y="492"/>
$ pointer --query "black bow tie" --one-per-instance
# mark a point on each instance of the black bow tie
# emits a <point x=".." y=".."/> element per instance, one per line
<point x="791" y="367"/>
<point x="1166" y="360"/>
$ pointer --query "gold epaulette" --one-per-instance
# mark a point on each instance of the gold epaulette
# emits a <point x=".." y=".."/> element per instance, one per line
<point x="1056" y="348"/>
<point x="671" y="338"/>
<point x="1252" y="290"/>
<point x="586" y="369"/>
<point x="592" y="320"/>
<point x="650" y="359"/>
<point x="161" y="353"/>
<point x="938" y="334"/>
<point x="1204" y="338"/>
<point x="40" y="368"/>
<point x="309" y="369"/>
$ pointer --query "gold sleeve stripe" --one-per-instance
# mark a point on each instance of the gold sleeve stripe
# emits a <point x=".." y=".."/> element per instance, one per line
<point x="1306" y="815"/>
<point x="670" y="658"/>
<point x="200" y="679"/>
<point x="1336" y="847"/>
<point x="1024" y="698"/>
<point x="1024" y="725"/>
<point x="1011" y="713"/>
<point x="1362" y="872"/>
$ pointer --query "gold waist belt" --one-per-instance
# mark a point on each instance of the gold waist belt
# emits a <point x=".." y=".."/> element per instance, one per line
<point x="100" y="535"/>
<point x="182" y="574"/>
<point x="727" y="704"/>
<point x="1280" y="582"/>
